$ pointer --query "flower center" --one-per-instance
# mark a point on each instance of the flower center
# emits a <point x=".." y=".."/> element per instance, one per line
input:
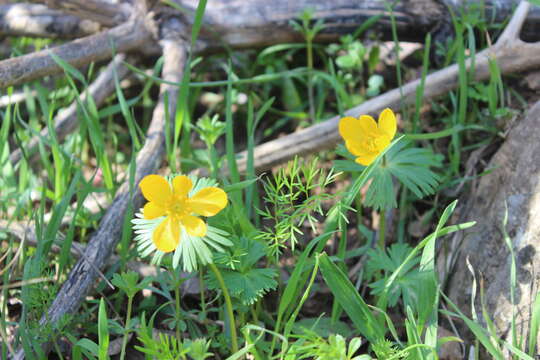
<point x="180" y="207"/>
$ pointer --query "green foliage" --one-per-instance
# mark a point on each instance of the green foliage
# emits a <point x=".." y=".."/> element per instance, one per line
<point x="387" y="261"/>
<point x="409" y="165"/>
<point x="245" y="281"/>
<point x="312" y="346"/>
<point x="293" y="197"/>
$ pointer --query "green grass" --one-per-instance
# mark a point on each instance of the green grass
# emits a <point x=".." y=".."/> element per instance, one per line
<point x="281" y="285"/>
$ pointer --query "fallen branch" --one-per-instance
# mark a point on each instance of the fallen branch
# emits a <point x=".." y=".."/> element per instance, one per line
<point x="240" y="25"/>
<point x="325" y="135"/>
<point x="40" y="21"/>
<point x="66" y="121"/>
<point x="80" y="52"/>
<point x="103" y="12"/>
<point x="25" y="232"/>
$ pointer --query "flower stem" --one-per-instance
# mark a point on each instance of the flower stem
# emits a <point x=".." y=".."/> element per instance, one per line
<point x="228" y="306"/>
<point x="382" y="230"/>
<point x="126" y="330"/>
<point x="177" y="309"/>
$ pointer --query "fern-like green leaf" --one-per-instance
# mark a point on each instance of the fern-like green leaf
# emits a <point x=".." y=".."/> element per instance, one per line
<point x="408" y="165"/>
<point x="244" y="281"/>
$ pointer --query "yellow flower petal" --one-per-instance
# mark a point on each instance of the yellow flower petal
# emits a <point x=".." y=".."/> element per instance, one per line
<point x="166" y="236"/>
<point x="155" y="188"/>
<point x="152" y="210"/>
<point x="194" y="226"/>
<point x="352" y="129"/>
<point x="382" y="142"/>
<point x="182" y="185"/>
<point x="355" y="148"/>
<point x="366" y="159"/>
<point x="388" y="123"/>
<point x="208" y="201"/>
<point x="349" y="129"/>
<point x="368" y="126"/>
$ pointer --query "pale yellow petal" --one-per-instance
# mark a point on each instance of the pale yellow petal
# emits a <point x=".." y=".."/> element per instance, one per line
<point x="388" y="123"/>
<point x="208" y="201"/>
<point x="366" y="159"/>
<point x="166" y="236"/>
<point x="152" y="210"/>
<point x="155" y="188"/>
<point x="194" y="226"/>
<point x="182" y="185"/>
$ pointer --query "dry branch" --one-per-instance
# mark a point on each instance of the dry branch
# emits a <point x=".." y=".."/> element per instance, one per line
<point x="78" y="53"/>
<point x="26" y="233"/>
<point x="103" y="241"/>
<point x="325" y="135"/>
<point x="239" y="24"/>
<point x="66" y="121"/>
<point x="40" y="21"/>
<point x="103" y="12"/>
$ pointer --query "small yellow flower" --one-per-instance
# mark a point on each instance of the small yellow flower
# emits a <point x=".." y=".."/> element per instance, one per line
<point x="366" y="139"/>
<point x="178" y="207"/>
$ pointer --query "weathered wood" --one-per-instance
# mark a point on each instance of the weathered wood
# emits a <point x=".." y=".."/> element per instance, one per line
<point x="325" y="135"/>
<point x="78" y="53"/>
<point x="40" y="21"/>
<point x="103" y="12"/>
<point x="250" y="24"/>
<point x="511" y="190"/>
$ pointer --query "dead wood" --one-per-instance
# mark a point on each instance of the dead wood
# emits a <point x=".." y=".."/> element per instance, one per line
<point x="512" y="191"/>
<point x="67" y="121"/>
<point x="78" y="53"/>
<point x="39" y="21"/>
<point x="103" y="12"/>
<point x="238" y="24"/>
<point x="102" y="243"/>
<point x="325" y="135"/>
<point x="25" y="233"/>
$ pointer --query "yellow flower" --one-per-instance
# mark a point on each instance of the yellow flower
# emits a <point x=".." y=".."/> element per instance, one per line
<point x="366" y="139"/>
<point x="174" y="203"/>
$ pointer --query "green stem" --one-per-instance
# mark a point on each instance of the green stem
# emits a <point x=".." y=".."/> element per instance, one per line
<point x="309" y="45"/>
<point x="382" y="230"/>
<point x="126" y="330"/>
<point x="177" y="309"/>
<point x="228" y="306"/>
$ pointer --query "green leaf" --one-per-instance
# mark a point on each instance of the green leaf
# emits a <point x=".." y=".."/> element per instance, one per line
<point x="351" y="301"/>
<point x="389" y="260"/>
<point x="103" y="331"/>
<point x="410" y="166"/>
<point x="245" y="282"/>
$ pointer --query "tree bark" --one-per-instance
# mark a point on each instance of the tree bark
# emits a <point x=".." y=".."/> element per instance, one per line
<point x="512" y="191"/>
<point x="40" y="21"/>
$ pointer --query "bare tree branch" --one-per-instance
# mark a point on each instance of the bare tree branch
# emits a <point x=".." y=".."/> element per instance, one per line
<point x="66" y="121"/>
<point x="78" y="52"/>
<point x="40" y="21"/>
<point x="325" y="135"/>
<point x="103" y="12"/>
